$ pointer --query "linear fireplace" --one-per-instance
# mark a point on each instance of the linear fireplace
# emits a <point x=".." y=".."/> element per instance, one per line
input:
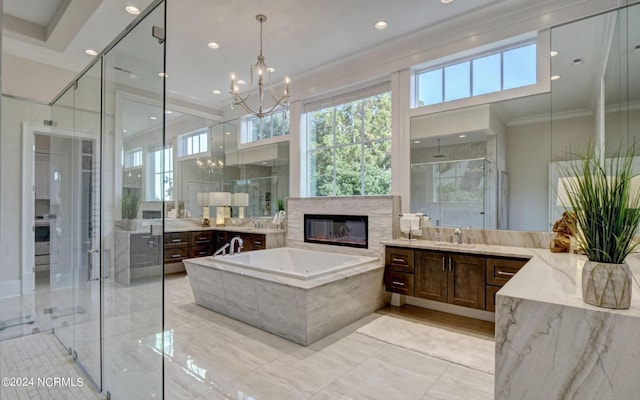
<point x="337" y="230"/>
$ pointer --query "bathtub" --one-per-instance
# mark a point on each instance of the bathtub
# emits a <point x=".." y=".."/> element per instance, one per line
<point x="300" y="295"/>
<point x="295" y="263"/>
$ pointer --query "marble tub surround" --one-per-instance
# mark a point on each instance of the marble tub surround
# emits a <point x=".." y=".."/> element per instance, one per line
<point x="493" y="237"/>
<point x="577" y="350"/>
<point x="382" y="211"/>
<point x="302" y="311"/>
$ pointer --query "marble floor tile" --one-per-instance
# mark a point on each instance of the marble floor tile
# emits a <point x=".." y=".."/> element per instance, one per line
<point x="209" y="356"/>
<point x="460" y="383"/>
<point x="379" y="380"/>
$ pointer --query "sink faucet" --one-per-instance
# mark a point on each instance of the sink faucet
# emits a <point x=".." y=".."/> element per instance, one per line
<point x="222" y="250"/>
<point x="458" y="234"/>
<point x="232" y="243"/>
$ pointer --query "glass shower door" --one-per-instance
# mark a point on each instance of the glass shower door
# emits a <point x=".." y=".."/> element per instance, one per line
<point x="75" y="248"/>
<point x="136" y="181"/>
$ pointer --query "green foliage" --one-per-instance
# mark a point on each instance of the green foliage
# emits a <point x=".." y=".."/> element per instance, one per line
<point x="130" y="203"/>
<point x="280" y="205"/>
<point x="607" y="210"/>
<point x="350" y="142"/>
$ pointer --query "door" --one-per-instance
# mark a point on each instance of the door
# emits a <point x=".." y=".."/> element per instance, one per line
<point x="466" y="285"/>
<point x="133" y="107"/>
<point x="74" y="233"/>
<point x="431" y="272"/>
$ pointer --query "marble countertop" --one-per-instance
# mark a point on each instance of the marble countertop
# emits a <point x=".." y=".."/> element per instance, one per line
<point x="547" y="277"/>
<point x="186" y="225"/>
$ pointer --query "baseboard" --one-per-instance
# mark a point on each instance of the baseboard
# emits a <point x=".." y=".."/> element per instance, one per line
<point x="10" y="288"/>
<point x="451" y="308"/>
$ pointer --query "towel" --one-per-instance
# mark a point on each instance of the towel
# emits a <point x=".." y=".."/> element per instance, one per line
<point x="409" y="224"/>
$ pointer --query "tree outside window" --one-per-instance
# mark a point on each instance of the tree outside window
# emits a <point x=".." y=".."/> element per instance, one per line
<point x="350" y="148"/>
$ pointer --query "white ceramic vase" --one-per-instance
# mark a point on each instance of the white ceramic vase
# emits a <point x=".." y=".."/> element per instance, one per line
<point x="606" y="285"/>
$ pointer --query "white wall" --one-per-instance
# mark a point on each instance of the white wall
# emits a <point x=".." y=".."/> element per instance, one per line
<point x="14" y="112"/>
<point x="529" y="151"/>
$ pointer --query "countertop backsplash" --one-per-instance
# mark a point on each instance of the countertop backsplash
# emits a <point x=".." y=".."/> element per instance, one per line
<point x="492" y="237"/>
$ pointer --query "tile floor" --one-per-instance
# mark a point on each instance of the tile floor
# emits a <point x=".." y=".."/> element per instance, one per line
<point x="209" y="356"/>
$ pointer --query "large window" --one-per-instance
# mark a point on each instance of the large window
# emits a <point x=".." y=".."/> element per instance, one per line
<point x="160" y="186"/>
<point x="507" y="69"/>
<point x="193" y="143"/>
<point x="349" y="147"/>
<point x="267" y="127"/>
<point x="133" y="158"/>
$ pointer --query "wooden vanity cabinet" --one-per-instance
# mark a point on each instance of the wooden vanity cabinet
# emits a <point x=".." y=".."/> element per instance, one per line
<point x="499" y="271"/>
<point x="451" y="278"/>
<point x="467" y="280"/>
<point x="399" y="270"/>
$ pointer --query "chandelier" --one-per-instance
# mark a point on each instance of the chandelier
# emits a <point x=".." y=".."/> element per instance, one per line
<point x="259" y="68"/>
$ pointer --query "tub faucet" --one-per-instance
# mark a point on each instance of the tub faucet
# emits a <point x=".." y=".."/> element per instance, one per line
<point x="458" y="234"/>
<point x="232" y="243"/>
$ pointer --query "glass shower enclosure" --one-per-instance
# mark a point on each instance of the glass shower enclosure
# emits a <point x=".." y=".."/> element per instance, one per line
<point x="112" y="326"/>
<point x="458" y="193"/>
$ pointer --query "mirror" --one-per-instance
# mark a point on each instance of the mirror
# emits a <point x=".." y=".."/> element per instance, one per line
<point x="601" y="89"/>
<point x="502" y="172"/>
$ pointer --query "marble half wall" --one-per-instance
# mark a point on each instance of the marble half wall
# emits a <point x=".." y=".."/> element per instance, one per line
<point x="383" y="213"/>
<point x="553" y="351"/>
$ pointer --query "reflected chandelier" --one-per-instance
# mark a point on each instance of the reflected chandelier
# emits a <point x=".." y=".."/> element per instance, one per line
<point x="259" y="68"/>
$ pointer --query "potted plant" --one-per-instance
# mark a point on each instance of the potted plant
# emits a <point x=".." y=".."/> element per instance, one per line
<point x="130" y="205"/>
<point x="607" y="210"/>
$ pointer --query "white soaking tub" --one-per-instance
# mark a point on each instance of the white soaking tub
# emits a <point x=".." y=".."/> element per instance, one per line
<point x="301" y="295"/>
<point x="295" y="263"/>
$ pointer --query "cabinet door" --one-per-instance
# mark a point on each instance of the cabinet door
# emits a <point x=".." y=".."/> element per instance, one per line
<point x="399" y="282"/>
<point x="466" y="286"/>
<point x="431" y="269"/>
<point x="399" y="259"/>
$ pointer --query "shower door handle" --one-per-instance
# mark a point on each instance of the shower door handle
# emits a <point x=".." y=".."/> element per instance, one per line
<point x="91" y="276"/>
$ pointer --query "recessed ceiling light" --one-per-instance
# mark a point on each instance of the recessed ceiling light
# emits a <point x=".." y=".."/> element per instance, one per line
<point x="555" y="77"/>
<point x="153" y="118"/>
<point x="264" y="163"/>
<point x="381" y="24"/>
<point x="462" y="136"/>
<point x="124" y="131"/>
<point x="163" y="75"/>
<point x="133" y="10"/>
<point x="213" y="45"/>
<point x="271" y="69"/>
<point x="168" y="112"/>
<point x="416" y="141"/>
<point x="445" y="1"/>
<point x="227" y="133"/>
<point x="240" y="82"/>
<point x="221" y="147"/>
<point x="217" y="91"/>
<point x="91" y="52"/>
<point x="133" y="76"/>
<point x="553" y="53"/>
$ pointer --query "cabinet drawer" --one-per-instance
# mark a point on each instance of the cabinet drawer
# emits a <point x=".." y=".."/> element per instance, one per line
<point x="200" y="251"/>
<point x="500" y="270"/>
<point x="399" y="282"/>
<point x="201" y="238"/>
<point x="176" y="254"/>
<point x="259" y="242"/>
<point x="399" y="259"/>
<point x="491" y="297"/>
<point x="177" y="239"/>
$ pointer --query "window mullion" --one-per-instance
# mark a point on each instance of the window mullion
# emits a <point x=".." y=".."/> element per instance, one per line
<point x="362" y="116"/>
<point x="333" y="151"/>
